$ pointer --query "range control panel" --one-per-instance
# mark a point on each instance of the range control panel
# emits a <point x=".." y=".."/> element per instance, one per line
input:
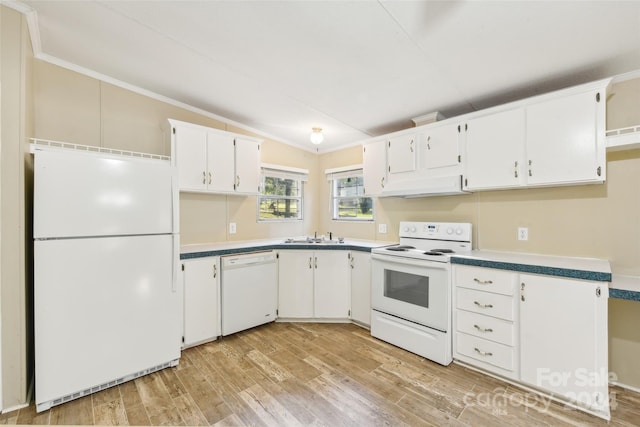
<point x="456" y="231"/>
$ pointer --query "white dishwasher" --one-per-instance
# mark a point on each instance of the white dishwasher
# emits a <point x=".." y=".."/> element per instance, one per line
<point x="249" y="291"/>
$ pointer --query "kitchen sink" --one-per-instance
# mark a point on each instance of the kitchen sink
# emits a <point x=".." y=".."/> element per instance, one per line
<point x="313" y="241"/>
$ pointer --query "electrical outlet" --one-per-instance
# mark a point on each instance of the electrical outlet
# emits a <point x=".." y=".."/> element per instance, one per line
<point x="232" y="228"/>
<point x="382" y="228"/>
<point x="523" y="233"/>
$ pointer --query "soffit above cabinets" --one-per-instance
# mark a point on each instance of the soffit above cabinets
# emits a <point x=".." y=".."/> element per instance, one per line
<point x="354" y="68"/>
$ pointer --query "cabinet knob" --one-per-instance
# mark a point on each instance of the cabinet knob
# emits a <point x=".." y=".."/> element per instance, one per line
<point x="522" y="291"/>
<point x="209" y="177"/>
<point x="204" y="177"/>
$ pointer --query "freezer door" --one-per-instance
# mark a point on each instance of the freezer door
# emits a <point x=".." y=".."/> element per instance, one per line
<point x="104" y="308"/>
<point x="85" y="194"/>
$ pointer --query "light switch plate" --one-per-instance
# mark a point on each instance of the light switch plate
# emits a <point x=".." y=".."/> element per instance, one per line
<point x="382" y="228"/>
<point x="232" y="228"/>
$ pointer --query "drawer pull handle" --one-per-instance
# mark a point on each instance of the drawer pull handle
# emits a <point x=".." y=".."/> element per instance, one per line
<point x="483" y="329"/>
<point x="483" y="353"/>
<point x="482" y="282"/>
<point x="483" y="305"/>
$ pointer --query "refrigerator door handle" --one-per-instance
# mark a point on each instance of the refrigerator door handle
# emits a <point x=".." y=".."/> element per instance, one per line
<point x="175" y="262"/>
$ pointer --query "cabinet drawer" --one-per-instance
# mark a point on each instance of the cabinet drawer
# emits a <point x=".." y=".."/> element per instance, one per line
<point x="495" y="305"/>
<point x="486" y="351"/>
<point x="486" y="327"/>
<point x="486" y="279"/>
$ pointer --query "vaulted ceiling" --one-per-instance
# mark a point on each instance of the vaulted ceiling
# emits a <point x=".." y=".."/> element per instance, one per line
<point x="354" y="68"/>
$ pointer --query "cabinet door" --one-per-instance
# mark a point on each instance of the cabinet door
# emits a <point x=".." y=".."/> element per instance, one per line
<point x="563" y="337"/>
<point x="440" y="147"/>
<point x="220" y="161"/>
<point x="247" y="165"/>
<point x="374" y="167"/>
<point x="201" y="303"/>
<point x="565" y="140"/>
<point x="495" y="151"/>
<point x="361" y="287"/>
<point x="402" y="153"/>
<point x="191" y="159"/>
<point x="295" y="284"/>
<point x="332" y="293"/>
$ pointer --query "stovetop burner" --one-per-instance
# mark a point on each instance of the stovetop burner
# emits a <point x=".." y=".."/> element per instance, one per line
<point x="400" y="248"/>
<point x="428" y="242"/>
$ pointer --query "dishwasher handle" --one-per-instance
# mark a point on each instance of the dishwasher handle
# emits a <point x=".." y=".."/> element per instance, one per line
<point x="248" y="260"/>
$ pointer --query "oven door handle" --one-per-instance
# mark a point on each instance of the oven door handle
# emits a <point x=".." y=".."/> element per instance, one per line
<point x="390" y="260"/>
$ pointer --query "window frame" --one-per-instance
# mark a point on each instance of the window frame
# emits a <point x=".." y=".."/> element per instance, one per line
<point x="334" y="176"/>
<point x="284" y="173"/>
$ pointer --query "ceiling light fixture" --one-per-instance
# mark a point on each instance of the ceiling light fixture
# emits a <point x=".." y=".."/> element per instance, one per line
<point x="316" y="136"/>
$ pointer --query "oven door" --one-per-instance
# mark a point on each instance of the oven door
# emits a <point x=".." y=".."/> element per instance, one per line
<point x="414" y="290"/>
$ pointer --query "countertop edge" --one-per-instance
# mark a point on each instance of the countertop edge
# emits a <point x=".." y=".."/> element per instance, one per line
<point x="249" y="247"/>
<point x="534" y="269"/>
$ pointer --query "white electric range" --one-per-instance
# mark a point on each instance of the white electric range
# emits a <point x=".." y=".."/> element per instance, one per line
<point x="411" y="287"/>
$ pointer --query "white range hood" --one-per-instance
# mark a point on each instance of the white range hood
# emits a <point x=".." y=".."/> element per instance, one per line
<point x="425" y="187"/>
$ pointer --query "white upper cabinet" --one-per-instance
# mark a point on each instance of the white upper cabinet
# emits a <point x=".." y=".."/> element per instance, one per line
<point x="554" y="139"/>
<point x="402" y="154"/>
<point x="566" y="139"/>
<point x="220" y="172"/>
<point x="495" y="150"/>
<point x="190" y="147"/>
<point x="213" y="161"/>
<point x="440" y="146"/>
<point x="374" y="167"/>
<point x="247" y="161"/>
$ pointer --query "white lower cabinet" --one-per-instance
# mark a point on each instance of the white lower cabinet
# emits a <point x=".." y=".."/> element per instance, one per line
<point x="295" y="284"/>
<point x="360" y="263"/>
<point x="201" y="285"/>
<point x="314" y="284"/>
<point x="563" y="338"/>
<point x="548" y="333"/>
<point x="485" y="319"/>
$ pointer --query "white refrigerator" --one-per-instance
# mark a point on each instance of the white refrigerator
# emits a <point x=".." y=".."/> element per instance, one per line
<point x="106" y="248"/>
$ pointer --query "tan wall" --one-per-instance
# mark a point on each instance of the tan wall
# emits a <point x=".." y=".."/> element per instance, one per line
<point x="14" y="227"/>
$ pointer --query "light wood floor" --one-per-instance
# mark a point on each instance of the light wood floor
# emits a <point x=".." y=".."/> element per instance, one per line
<point x="316" y="374"/>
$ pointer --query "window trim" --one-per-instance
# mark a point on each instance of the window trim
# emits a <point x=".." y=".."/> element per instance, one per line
<point x="282" y="172"/>
<point x="353" y="171"/>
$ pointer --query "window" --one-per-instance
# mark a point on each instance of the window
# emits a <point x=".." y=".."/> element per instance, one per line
<point x="347" y="196"/>
<point x="281" y="195"/>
